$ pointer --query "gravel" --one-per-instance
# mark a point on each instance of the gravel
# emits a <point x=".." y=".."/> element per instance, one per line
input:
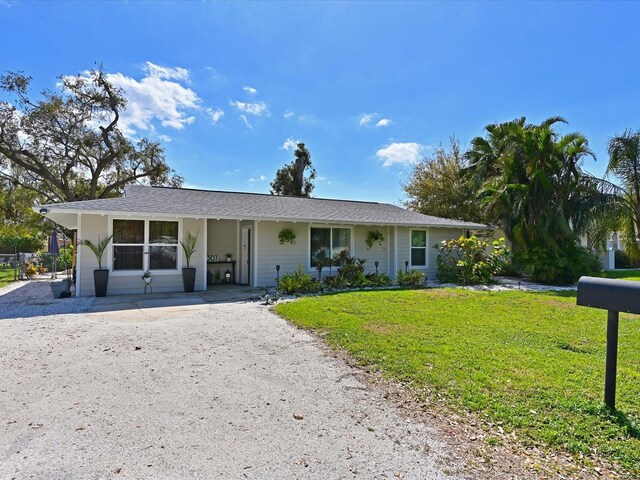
<point x="34" y="298"/>
<point x="210" y="391"/>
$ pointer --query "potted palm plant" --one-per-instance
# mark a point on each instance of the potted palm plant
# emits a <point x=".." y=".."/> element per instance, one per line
<point x="189" y="245"/>
<point x="100" y="276"/>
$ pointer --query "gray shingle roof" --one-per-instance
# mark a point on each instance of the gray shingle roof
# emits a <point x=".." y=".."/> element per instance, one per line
<point x="140" y="199"/>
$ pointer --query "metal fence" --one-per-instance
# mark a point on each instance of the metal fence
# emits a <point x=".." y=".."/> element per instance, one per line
<point x="12" y="264"/>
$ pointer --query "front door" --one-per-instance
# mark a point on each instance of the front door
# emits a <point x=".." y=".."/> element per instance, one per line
<point x="245" y="260"/>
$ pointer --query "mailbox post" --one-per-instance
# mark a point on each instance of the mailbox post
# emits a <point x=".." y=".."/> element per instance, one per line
<point x="615" y="296"/>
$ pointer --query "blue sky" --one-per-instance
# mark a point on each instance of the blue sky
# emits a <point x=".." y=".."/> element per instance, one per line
<point x="369" y="87"/>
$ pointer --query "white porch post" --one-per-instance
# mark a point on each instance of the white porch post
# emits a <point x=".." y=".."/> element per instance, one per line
<point x="389" y="270"/>
<point x="255" y="253"/>
<point x="206" y="250"/>
<point x="78" y="255"/>
<point x="395" y="251"/>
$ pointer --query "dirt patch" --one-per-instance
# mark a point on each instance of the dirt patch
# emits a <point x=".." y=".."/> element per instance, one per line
<point x="379" y="328"/>
<point x="384" y="328"/>
<point x="443" y="292"/>
<point x="556" y="303"/>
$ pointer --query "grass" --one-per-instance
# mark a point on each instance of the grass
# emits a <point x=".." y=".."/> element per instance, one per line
<point x="532" y="361"/>
<point x="624" y="274"/>
<point x="6" y="277"/>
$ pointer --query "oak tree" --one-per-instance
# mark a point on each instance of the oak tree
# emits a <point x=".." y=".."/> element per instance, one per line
<point x="67" y="145"/>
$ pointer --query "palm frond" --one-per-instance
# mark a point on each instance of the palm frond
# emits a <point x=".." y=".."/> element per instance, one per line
<point x="98" y="248"/>
<point x="189" y="245"/>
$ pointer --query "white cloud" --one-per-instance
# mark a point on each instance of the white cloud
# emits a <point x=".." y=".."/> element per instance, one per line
<point x="288" y="113"/>
<point x="156" y="98"/>
<point x="383" y="122"/>
<point x="215" y="75"/>
<point x="257" y="109"/>
<point x="365" y="118"/>
<point x="289" y="144"/>
<point x="400" y="153"/>
<point x="246" y="122"/>
<point x="261" y="178"/>
<point x="250" y="90"/>
<point x="215" y="114"/>
<point x="167" y="73"/>
<point x="308" y="118"/>
<point x="164" y="138"/>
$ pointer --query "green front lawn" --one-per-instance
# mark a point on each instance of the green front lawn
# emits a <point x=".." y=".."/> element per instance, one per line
<point x="624" y="274"/>
<point x="533" y="361"/>
<point x="6" y="277"/>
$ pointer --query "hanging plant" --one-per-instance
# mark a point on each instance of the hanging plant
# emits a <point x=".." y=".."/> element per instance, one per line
<point x="287" y="235"/>
<point x="374" y="236"/>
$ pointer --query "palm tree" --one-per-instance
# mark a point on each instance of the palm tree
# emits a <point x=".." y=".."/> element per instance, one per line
<point x="624" y="164"/>
<point x="530" y="180"/>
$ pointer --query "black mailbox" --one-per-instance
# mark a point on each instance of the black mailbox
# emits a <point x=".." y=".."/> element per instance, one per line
<point x="615" y="296"/>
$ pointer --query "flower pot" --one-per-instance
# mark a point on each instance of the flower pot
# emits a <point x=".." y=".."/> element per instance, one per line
<point x="100" y="280"/>
<point x="57" y="288"/>
<point x="189" y="279"/>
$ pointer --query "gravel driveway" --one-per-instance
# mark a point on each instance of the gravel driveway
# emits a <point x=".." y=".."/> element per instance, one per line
<point x="209" y="391"/>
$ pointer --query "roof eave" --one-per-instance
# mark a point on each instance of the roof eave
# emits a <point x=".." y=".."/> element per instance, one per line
<point x="51" y="209"/>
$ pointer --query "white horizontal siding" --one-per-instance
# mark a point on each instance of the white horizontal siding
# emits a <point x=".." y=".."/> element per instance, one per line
<point x="94" y="227"/>
<point x="289" y="257"/>
<point x="271" y="253"/>
<point x="375" y="253"/>
<point x="434" y="236"/>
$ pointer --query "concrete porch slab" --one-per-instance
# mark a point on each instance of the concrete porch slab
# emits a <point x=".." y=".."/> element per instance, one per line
<point x="138" y="301"/>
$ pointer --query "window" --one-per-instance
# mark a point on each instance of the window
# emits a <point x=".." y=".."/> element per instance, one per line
<point x="128" y="244"/>
<point x="133" y="238"/>
<point x="328" y="242"/>
<point x="163" y="245"/>
<point x="418" y="248"/>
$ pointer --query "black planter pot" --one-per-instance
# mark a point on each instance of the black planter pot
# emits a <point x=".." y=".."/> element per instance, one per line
<point x="189" y="279"/>
<point x="101" y="280"/>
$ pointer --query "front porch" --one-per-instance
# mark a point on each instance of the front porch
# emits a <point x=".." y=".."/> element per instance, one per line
<point x="139" y="301"/>
<point x="228" y="252"/>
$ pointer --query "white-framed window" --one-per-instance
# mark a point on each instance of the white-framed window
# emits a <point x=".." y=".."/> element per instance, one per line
<point x="419" y="257"/>
<point x="140" y="245"/>
<point x="128" y="245"/>
<point x="326" y="242"/>
<point x="163" y="245"/>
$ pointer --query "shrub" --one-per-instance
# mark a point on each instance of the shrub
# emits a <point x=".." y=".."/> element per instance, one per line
<point x="65" y="255"/>
<point x="412" y="278"/>
<point x="466" y="261"/>
<point x="622" y="260"/>
<point x="30" y="270"/>
<point x="337" y="282"/>
<point x="378" y="280"/>
<point x="298" y="282"/>
<point x="560" y="268"/>
<point x="350" y="270"/>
